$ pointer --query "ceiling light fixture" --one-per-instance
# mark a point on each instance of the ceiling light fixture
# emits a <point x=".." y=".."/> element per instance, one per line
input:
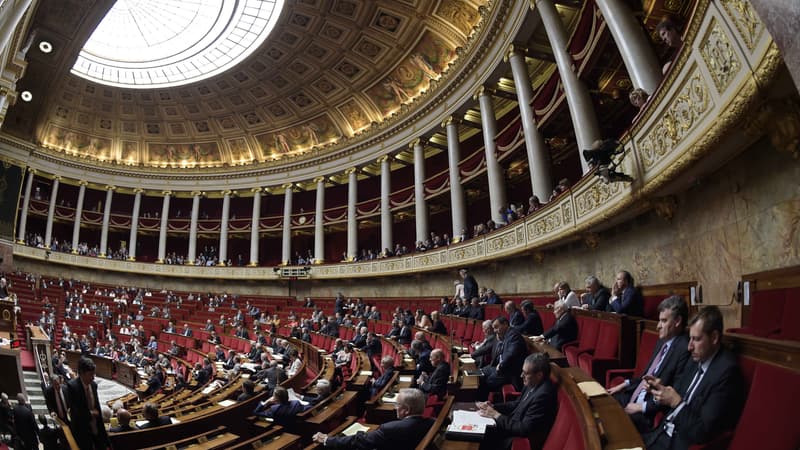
<point x="45" y="47"/>
<point x="26" y="96"/>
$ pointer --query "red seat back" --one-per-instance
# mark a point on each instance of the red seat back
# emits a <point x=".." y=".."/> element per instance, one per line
<point x="565" y="434"/>
<point x="791" y="313"/>
<point x="607" y="341"/>
<point x="765" y="314"/>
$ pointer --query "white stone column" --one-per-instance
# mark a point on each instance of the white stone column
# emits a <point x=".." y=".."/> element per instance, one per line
<point x="255" y="224"/>
<point x="539" y="162"/>
<point x="26" y="203"/>
<point x="76" y="226"/>
<point x="106" y="219"/>
<point x="51" y="211"/>
<point x="223" y="227"/>
<point x="634" y="45"/>
<point x="286" y="248"/>
<point x="162" y="232"/>
<point x="420" y="206"/>
<point x="12" y="13"/>
<point x="192" y="255"/>
<point x="584" y="119"/>
<point x="352" y="211"/>
<point x="137" y="205"/>
<point x="386" y="206"/>
<point x="494" y="172"/>
<point x="457" y="203"/>
<point x="319" y="222"/>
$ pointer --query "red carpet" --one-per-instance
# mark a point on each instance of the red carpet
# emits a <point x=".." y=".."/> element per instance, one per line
<point x="26" y="359"/>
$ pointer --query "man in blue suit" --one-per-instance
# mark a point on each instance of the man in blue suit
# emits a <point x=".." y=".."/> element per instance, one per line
<point x="625" y="298"/>
<point x="406" y="432"/>
<point x="507" y="357"/>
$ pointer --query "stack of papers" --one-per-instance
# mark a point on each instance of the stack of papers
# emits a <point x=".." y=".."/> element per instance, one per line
<point x="466" y="359"/>
<point x="293" y="396"/>
<point x="405" y="378"/>
<point x="354" y="428"/>
<point x="592" y="388"/>
<point x="468" y="425"/>
<point x="226" y="403"/>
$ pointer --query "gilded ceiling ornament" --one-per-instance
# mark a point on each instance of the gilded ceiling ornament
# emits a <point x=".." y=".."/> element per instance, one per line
<point x="720" y="58"/>
<point x="665" y="207"/>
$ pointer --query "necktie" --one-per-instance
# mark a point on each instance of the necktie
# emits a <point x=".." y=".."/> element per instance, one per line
<point x="693" y="386"/>
<point x="650" y="371"/>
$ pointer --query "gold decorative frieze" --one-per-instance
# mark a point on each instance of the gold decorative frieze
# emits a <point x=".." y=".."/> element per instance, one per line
<point x="687" y="108"/>
<point x="554" y="220"/>
<point x="429" y="259"/>
<point x="502" y="241"/>
<point x="746" y="21"/>
<point x="595" y="197"/>
<point x="472" y="249"/>
<point x="721" y="59"/>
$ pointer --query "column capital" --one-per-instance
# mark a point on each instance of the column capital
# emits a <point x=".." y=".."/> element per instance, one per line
<point x="287" y="186"/>
<point x="109" y="187"/>
<point x="450" y="120"/>
<point x="227" y="193"/>
<point x="482" y="90"/>
<point x="32" y="170"/>
<point x="418" y="141"/>
<point x="197" y="193"/>
<point x="514" y="49"/>
<point x="166" y="193"/>
<point x="83" y="183"/>
<point x="138" y="191"/>
<point x="256" y="190"/>
<point x="351" y="170"/>
<point x="384" y="158"/>
<point x="57" y="178"/>
<point x="319" y="180"/>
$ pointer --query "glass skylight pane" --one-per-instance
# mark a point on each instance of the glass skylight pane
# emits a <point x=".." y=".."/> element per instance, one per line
<point x="146" y="43"/>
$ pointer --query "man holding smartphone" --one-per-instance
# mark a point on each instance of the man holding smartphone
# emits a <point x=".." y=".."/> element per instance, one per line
<point x="667" y="364"/>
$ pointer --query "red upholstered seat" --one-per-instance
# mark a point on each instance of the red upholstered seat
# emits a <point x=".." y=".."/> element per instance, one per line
<point x="765" y="313"/>
<point x="588" y="329"/>
<point x="647" y="344"/>
<point x="565" y="434"/>
<point x="548" y="318"/>
<point x="791" y="314"/>
<point x="651" y="307"/>
<point x="605" y="355"/>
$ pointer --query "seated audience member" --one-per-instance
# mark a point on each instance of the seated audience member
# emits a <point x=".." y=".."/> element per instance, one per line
<point x="666" y="364"/>
<point x="532" y="326"/>
<point x="625" y="298"/>
<point x="531" y="415"/>
<point x="294" y="364"/>
<point x="124" y="422"/>
<point x="514" y="316"/>
<point x="422" y="357"/>
<point x="272" y="376"/>
<point x="402" y="434"/>
<point x="482" y="351"/>
<point x="435" y="382"/>
<point x="567" y="295"/>
<point x="323" y="391"/>
<point x="387" y="370"/>
<point x="200" y="375"/>
<point x="279" y="408"/>
<point x="475" y="310"/>
<point x="563" y="331"/>
<point x="708" y="399"/>
<point x="667" y="31"/>
<point x="248" y="388"/>
<point x="596" y="296"/>
<point x="373" y="347"/>
<point x="507" y="358"/>
<point x="437" y="326"/>
<point x="360" y="339"/>
<point x="150" y="413"/>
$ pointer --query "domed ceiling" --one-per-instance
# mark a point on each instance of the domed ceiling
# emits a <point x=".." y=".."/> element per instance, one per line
<point x="329" y="72"/>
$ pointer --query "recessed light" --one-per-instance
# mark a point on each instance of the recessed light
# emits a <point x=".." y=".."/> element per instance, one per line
<point x="45" y="47"/>
<point x="26" y="96"/>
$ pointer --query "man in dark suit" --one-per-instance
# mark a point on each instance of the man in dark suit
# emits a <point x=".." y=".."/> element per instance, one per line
<point x="564" y="330"/>
<point x="436" y="382"/>
<point x="124" y="420"/>
<point x="373" y="346"/>
<point x="470" y="285"/>
<point x="55" y="399"/>
<point x="596" y="296"/>
<point x="86" y="421"/>
<point x="279" y="408"/>
<point x="387" y="370"/>
<point x="625" y="298"/>
<point x="667" y="364"/>
<point x="360" y="339"/>
<point x="708" y="399"/>
<point x="514" y="316"/>
<point x="475" y="310"/>
<point x="532" y="325"/>
<point x="187" y="331"/>
<point x="25" y="424"/>
<point x="405" y="334"/>
<point x="531" y="415"/>
<point x="150" y="412"/>
<point x="404" y="433"/>
<point x="507" y="358"/>
<point x="482" y="351"/>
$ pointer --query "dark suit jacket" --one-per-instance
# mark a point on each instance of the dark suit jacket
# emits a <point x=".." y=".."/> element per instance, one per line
<point x="487" y="349"/>
<point x="437" y="381"/>
<point x="405" y="335"/>
<point x="516" y="318"/>
<point x="379" y="384"/>
<point x="475" y="312"/>
<point x="470" y="287"/>
<point x="359" y="341"/>
<point x="532" y="326"/>
<point x="50" y="401"/>
<point x="80" y="415"/>
<point x="159" y="422"/>
<point x="283" y="415"/>
<point x="373" y="348"/>
<point x="439" y="328"/>
<point x="714" y="408"/>
<point x="631" y="303"/>
<point x="563" y="331"/>
<point x="671" y="370"/>
<point x="599" y="301"/>
<point x="512" y="351"/>
<point x="25" y="424"/>
<point x="400" y="434"/>
<point x="531" y="415"/>
<point x="121" y="428"/>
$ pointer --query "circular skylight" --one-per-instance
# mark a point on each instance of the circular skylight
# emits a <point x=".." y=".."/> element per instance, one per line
<point x="161" y="43"/>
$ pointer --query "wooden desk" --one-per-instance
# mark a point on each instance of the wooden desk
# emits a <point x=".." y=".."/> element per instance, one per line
<point x="556" y="356"/>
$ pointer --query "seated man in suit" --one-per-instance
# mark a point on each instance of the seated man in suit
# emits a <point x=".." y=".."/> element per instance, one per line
<point x="596" y="296"/>
<point x="532" y="326"/>
<point x="323" y="391"/>
<point x="124" y="420"/>
<point x="564" y="330"/>
<point x="150" y="412"/>
<point x="279" y="408"/>
<point x="531" y="415"/>
<point x="514" y="316"/>
<point x="708" y="399"/>
<point x="360" y="339"/>
<point x="435" y="382"/>
<point x="404" y="433"/>
<point x="667" y="364"/>
<point x="482" y="351"/>
<point x="507" y="358"/>
<point x="387" y="370"/>
<point x="625" y="298"/>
